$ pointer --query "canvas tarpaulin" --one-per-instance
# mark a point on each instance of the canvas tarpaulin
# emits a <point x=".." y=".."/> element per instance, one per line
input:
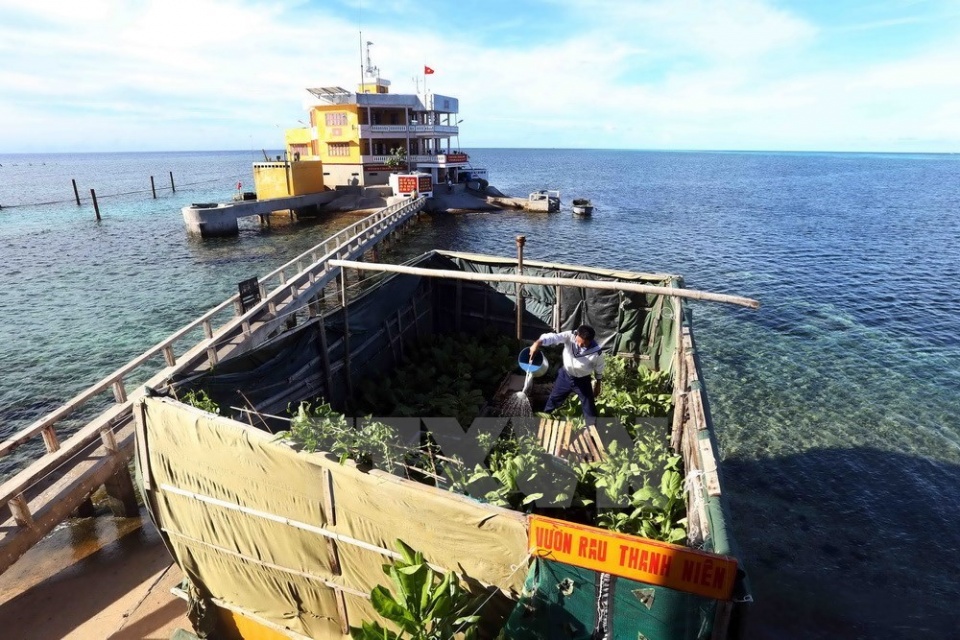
<point x="244" y="515"/>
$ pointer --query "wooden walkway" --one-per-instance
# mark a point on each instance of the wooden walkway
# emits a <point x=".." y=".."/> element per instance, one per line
<point x="60" y="480"/>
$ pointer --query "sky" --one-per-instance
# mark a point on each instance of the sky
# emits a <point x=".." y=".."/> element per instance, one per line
<point x="790" y="75"/>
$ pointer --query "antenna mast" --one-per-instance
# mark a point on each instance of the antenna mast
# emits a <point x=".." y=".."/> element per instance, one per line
<point x="371" y="71"/>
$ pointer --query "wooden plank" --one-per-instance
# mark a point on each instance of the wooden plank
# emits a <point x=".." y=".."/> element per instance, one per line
<point x="330" y="514"/>
<point x="342" y="612"/>
<point x="595" y="436"/>
<point x="565" y="444"/>
<point x="711" y="481"/>
<point x="591" y="445"/>
<point x="554" y="428"/>
<point x="576" y="446"/>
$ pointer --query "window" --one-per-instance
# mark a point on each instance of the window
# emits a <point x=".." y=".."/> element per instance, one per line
<point x="338" y="149"/>
<point x="336" y="119"/>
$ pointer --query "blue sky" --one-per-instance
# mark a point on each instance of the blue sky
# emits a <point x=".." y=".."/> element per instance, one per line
<point x="141" y="75"/>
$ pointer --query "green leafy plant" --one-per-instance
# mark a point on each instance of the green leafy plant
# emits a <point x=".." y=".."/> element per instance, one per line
<point x="398" y="158"/>
<point x="369" y="443"/>
<point x="201" y="400"/>
<point x="629" y="392"/>
<point x="426" y="604"/>
<point x="646" y="483"/>
<point x="641" y="486"/>
<point x="445" y="375"/>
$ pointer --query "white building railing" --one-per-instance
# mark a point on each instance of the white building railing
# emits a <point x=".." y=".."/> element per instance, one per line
<point x="439" y="159"/>
<point x="401" y="130"/>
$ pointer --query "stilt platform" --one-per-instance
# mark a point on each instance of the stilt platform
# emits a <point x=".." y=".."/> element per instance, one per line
<point x="216" y="219"/>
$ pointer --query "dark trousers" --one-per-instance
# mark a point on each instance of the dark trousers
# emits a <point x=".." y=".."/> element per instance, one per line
<point x="564" y="386"/>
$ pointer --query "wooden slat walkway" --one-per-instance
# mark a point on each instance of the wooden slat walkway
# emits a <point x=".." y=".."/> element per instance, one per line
<point x="59" y="481"/>
<point x="560" y="438"/>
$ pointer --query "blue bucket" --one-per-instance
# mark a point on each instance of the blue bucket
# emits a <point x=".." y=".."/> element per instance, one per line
<point x="536" y="368"/>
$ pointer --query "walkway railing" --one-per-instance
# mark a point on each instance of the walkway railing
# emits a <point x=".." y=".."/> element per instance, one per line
<point x="68" y="470"/>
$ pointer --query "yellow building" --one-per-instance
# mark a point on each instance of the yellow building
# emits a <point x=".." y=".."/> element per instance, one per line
<point x="355" y="134"/>
<point x="284" y="178"/>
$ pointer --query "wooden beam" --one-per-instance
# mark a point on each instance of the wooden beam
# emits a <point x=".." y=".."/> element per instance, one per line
<point x="677" y="292"/>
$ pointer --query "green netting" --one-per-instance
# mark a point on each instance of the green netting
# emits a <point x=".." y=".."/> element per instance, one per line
<point x="565" y="602"/>
<point x="289" y="367"/>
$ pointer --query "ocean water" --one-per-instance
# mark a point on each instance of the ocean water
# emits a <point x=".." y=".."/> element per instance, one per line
<point x="836" y="404"/>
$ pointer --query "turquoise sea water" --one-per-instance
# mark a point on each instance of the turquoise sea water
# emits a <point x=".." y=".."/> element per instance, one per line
<point x="837" y="404"/>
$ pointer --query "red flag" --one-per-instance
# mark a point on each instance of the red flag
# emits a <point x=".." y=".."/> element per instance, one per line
<point x="427" y="70"/>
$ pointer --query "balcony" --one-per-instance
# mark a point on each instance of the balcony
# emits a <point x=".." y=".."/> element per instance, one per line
<point x="439" y="160"/>
<point x="412" y="130"/>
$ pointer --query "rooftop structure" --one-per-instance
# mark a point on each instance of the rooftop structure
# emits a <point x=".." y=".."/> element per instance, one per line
<point x="356" y="134"/>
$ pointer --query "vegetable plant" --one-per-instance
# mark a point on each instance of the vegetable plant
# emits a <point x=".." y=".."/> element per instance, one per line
<point x="425" y="605"/>
<point x="642" y="487"/>
<point x="201" y="400"/>
<point x="636" y="490"/>
<point x="629" y="392"/>
<point x="368" y="443"/>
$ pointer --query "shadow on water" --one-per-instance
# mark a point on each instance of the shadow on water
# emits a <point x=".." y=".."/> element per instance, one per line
<point x="856" y="543"/>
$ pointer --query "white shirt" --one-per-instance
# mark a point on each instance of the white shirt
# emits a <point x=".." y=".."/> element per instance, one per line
<point x="577" y="361"/>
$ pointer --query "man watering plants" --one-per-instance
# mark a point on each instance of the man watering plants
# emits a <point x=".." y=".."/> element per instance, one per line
<point x="581" y="359"/>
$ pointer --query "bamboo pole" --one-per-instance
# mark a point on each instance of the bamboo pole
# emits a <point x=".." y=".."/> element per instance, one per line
<point x="173" y="187"/>
<point x="76" y="193"/>
<point x="153" y="187"/>
<point x="677" y="292"/>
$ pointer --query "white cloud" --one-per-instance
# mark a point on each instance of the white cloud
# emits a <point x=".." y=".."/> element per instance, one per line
<point x="685" y="73"/>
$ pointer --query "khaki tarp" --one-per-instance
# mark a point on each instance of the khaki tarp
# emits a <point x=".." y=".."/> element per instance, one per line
<point x="241" y="510"/>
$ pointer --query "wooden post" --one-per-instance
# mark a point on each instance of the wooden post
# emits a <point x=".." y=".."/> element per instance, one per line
<point x="153" y="188"/>
<point x="521" y="240"/>
<point x="173" y="187"/>
<point x="119" y="391"/>
<point x="96" y="207"/>
<point x="346" y="331"/>
<point x="21" y="511"/>
<point x="85" y="510"/>
<point x="325" y="357"/>
<point x="50" y="439"/>
<point x="76" y="193"/>
<point x="558" y="309"/>
<point x="120" y="488"/>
